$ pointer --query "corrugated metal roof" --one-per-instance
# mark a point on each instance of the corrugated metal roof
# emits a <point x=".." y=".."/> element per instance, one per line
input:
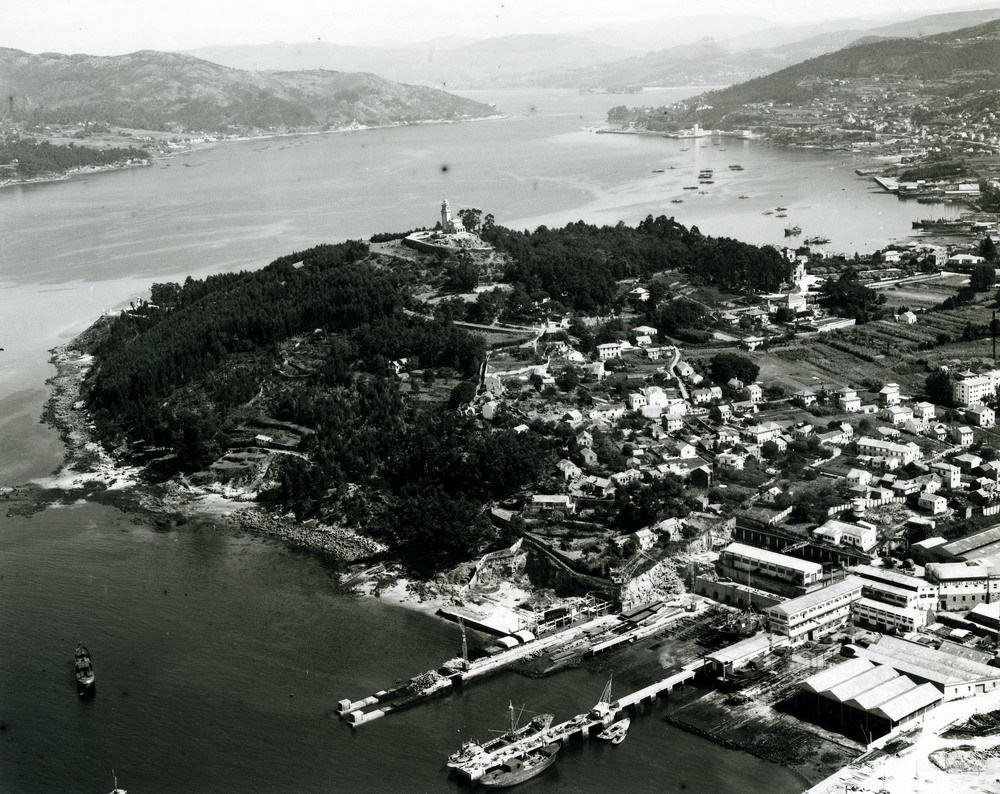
<point x="852" y="687"/>
<point x="964" y="545"/>
<point x="927" y="663"/>
<point x="909" y="702"/>
<point x="882" y="693"/>
<point x="835" y="675"/>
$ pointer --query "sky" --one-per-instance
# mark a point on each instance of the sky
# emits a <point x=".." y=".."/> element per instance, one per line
<point x="114" y="27"/>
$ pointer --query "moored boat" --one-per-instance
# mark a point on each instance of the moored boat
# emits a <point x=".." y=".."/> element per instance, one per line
<point x="616" y="731"/>
<point x="85" y="677"/>
<point x="472" y="754"/>
<point x="517" y="770"/>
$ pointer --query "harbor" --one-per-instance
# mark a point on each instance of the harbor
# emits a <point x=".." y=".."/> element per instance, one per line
<point x="582" y="640"/>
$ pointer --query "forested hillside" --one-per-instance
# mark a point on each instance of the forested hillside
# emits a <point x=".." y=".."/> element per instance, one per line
<point x="331" y="347"/>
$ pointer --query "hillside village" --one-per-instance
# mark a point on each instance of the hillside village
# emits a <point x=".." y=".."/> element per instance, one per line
<point x="836" y="510"/>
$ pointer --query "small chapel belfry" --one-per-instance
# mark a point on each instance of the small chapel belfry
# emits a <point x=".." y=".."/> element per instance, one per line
<point x="450" y="225"/>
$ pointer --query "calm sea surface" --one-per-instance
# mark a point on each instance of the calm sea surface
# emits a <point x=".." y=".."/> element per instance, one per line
<point x="220" y="658"/>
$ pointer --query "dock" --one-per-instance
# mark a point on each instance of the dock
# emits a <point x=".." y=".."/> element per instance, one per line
<point x="589" y="638"/>
<point x="582" y="726"/>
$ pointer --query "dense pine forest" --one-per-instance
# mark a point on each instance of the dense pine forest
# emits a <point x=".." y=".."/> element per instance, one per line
<point x="35" y="159"/>
<point x="324" y="340"/>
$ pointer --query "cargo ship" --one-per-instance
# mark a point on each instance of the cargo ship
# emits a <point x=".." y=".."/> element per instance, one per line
<point x="470" y="757"/>
<point x="942" y="224"/>
<point x="517" y="770"/>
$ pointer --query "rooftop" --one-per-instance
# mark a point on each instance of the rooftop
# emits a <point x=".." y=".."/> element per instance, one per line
<point x="817" y="597"/>
<point x="774" y="558"/>
<point x="929" y="664"/>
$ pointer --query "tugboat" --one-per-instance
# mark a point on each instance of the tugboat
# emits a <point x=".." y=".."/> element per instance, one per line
<point x="517" y="770"/>
<point x="84" y="671"/>
<point x="616" y="731"/>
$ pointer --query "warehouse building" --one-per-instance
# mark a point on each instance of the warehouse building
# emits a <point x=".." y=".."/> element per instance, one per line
<point x="865" y="700"/>
<point x="954" y="674"/>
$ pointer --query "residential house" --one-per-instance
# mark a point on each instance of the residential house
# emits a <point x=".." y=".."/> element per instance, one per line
<point x="609" y="350"/>
<point x="584" y="439"/>
<point x="951" y="476"/>
<point x="767" y="431"/>
<point x="805" y="397"/>
<point x="672" y="422"/>
<point x="858" y="477"/>
<point x="969" y="388"/>
<point x="907" y="318"/>
<point x="963" y="435"/>
<point x="701" y="396"/>
<point x="933" y="503"/>
<point x="589" y="456"/>
<point x="550" y="503"/>
<point x="731" y="461"/>
<point x="906" y="453"/>
<point x="897" y="414"/>
<point x="889" y="394"/>
<point x="923" y="410"/>
<point x="569" y="469"/>
<point x="753" y="392"/>
<point x="849" y="400"/>
<point x="981" y="416"/>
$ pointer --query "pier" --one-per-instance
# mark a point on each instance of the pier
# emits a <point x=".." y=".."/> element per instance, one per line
<point x="585" y="639"/>
<point x="582" y="725"/>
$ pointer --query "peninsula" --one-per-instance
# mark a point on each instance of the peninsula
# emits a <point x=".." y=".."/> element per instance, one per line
<point x="798" y="446"/>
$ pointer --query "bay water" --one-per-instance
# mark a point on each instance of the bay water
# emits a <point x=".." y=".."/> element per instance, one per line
<point x="220" y="657"/>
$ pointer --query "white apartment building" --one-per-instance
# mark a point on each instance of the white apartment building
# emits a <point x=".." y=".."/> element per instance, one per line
<point x="970" y="388"/>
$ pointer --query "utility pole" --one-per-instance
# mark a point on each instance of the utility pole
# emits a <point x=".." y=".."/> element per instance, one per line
<point x="465" y="642"/>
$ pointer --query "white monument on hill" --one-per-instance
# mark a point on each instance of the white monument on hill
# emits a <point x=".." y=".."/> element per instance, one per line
<point x="451" y="238"/>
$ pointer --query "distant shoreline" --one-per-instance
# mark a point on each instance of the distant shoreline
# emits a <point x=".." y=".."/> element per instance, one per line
<point x="198" y="144"/>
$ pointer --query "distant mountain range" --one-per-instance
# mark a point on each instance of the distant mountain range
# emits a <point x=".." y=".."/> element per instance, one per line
<point x="506" y="61"/>
<point x="736" y="48"/>
<point x="157" y="91"/>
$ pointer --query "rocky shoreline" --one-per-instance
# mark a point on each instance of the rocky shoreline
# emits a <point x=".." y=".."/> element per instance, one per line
<point x="93" y="472"/>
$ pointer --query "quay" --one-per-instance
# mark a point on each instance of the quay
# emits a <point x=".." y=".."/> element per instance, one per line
<point x="588" y="639"/>
<point x="581" y="726"/>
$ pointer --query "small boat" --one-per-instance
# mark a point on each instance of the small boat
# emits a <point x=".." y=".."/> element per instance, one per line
<point x="117" y="790"/>
<point x="767" y="212"/>
<point x="703" y="192"/>
<point x="685" y="148"/>
<point x="659" y="170"/>
<point x="517" y="770"/>
<point x="676" y="201"/>
<point x="781" y="209"/>
<point x="816" y="240"/>
<point x="690" y="187"/>
<point x="744" y="196"/>
<point x="781" y="215"/>
<point x="735" y="167"/>
<point x="605" y="709"/>
<point x="84" y="670"/>
<point x="616" y="731"/>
